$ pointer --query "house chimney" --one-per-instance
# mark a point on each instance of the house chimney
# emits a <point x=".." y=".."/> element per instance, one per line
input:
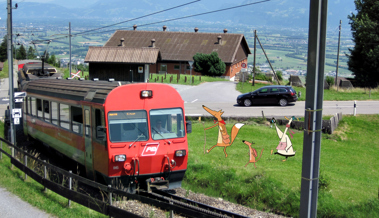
<point x="196" y="29"/>
<point x="134" y="27"/>
<point x="122" y="42"/>
<point x="153" y="43"/>
<point x="164" y="28"/>
<point x="219" y="41"/>
<point x="225" y="30"/>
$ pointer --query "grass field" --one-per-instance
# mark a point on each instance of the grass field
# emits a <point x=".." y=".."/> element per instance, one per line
<point x="183" y="79"/>
<point x="348" y="182"/>
<point x="329" y="94"/>
<point x="349" y="169"/>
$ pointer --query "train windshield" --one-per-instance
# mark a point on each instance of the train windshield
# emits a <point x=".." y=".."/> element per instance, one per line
<point x="167" y="123"/>
<point x="128" y="126"/>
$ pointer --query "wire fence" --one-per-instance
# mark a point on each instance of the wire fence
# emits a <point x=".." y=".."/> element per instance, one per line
<point x="65" y="183"/>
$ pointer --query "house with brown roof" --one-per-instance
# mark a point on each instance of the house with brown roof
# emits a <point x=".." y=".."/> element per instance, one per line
<point x="175" y="50"/>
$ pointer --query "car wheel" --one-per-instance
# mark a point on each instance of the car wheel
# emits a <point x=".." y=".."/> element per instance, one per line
<point x="283" y="102"/>
<point x="247" y="102"/>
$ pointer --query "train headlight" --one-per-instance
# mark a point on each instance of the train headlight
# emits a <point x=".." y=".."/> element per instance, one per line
<point x="180" y="153"/>
<point x="146" y="94"/>
<point x="119" y="158"/>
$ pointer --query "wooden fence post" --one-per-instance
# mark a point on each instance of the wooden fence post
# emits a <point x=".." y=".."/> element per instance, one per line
<point x="45" y="175"/>
<point x="25" y="163"/>
<point x="1" y="153"/>
<point x="70" y="187"/>
<point x="110" y="196"/>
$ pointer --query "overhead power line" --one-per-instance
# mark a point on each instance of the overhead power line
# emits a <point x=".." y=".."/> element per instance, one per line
<point x="168" y="20"/>
<point x="194" y="15"/>
<point x="147" y="15"/>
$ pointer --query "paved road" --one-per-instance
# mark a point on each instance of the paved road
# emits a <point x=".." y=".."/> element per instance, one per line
<point x="12" y="206"/>
<point x="209" y="94"/>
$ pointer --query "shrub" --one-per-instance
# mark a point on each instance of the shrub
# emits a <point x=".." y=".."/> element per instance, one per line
<point x="329" y="80"/>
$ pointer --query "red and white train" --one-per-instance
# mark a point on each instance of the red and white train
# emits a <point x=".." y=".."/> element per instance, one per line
<point x="131" y="134"/>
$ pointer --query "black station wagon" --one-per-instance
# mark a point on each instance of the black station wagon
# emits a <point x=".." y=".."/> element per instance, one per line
<point x="274" y="94"/>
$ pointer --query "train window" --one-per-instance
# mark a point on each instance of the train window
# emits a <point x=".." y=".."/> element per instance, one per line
<point x="39" y="108"/>
<point x="26" y="105"/>
<point x="128" y="126"/>
<point x="54" y="113"/>
<point x="167" y="123"/>
<point x="87" y="122"/>
<point x="77" y="119"/>
<point x="46" y="110"/>
<point x="98" y="120"/>
<point x="64" y="112"/>
<point x="33" y="106"/>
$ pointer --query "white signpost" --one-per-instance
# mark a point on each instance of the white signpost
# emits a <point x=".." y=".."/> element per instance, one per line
<point x="16" y="115"/>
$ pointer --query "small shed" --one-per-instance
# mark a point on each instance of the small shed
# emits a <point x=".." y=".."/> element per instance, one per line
<point x="121" y="63"/>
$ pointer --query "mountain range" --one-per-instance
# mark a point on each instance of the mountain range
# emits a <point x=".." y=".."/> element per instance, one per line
<point x="275" y="13"/>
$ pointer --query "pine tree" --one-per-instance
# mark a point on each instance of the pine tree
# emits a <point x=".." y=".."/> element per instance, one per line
<point x="3" y="49"/>
<point x="21" y="53"/>
<point x="31" y="53"/>
<point x="364" y="57"/>
<point x="52" y="60"/>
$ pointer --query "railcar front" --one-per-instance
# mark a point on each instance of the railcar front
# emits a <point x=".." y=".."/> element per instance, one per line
<point x="111" y="129"/>
<point x="146" y="136"/>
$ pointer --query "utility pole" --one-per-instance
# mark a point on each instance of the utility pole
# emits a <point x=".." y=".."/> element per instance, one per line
<point x="313" y="108"/>
<point x="10" y="69"/>
<point x="268" y="60"/>
<point x="69" y="35"/>
<point x="255" y="54"/>
<point x="338" y="55"/>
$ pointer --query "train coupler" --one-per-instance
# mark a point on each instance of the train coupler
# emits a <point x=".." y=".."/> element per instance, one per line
<point x="158" y="183"/>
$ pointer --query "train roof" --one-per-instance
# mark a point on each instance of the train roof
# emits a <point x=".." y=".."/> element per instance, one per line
<point x="36" y="65"/>
<point x="77" y="90"/>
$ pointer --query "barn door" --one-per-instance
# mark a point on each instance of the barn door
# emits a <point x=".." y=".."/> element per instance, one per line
<point x="88" y="142"/>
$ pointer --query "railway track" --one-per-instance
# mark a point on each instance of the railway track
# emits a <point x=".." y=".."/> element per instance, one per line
<point x="188" y="207"/>
<point x="160" y="199"/>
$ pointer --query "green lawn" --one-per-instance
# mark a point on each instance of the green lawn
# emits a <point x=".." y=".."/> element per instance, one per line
<point x="183" y="79"/>
<point x="329" y="94"/>
<point x="349" y="168"/>
<point x="348" y="181"/>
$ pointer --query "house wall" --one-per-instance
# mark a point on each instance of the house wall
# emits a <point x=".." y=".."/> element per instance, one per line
<point x="120" y="72"/>
<point x="230" y="71"/>
<point x="235" y="68"/>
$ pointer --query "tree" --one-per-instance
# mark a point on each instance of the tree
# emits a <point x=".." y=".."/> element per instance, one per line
<point x="31" y="53"/>
<point x="21" y="53"/>
<point x="209" y="64"/>
<point x="52" y="60"/>
<point x="364" y="57"/>
<point x="46" y="56"/>
<point x="3" y="49"/>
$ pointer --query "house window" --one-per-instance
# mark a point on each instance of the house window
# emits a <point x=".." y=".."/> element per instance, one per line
<point x="188" y="67"/>
<point x="176" y="67"/>
<point x="163" y="67"/>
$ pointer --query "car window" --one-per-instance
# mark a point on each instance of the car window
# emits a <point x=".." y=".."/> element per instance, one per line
<point x="282" y="90"/>
<point x="274" y="90"/>
<point x="263" y="90"/>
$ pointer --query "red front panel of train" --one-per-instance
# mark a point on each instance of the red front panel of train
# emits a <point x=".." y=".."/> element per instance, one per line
<point x="148" y="131"/>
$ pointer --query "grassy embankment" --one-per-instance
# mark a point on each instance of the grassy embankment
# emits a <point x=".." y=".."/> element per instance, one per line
<point x="349" y="169"/>
<point x="329" y="94"/>
<point x="349" y="172"/>
<point x="32" y="192"/>
<point x="183" y="79"/>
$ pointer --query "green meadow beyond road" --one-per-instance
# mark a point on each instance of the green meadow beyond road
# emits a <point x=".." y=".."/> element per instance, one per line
<point x="223" y="95"/>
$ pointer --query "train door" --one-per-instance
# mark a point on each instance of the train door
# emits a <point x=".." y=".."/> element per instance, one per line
<point x="88" y="142"/>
